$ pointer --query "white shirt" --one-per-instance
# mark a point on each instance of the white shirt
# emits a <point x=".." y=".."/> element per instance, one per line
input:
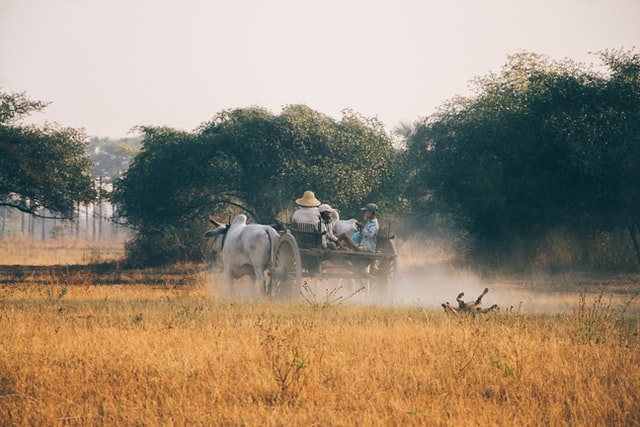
<point x="306" y="215"/>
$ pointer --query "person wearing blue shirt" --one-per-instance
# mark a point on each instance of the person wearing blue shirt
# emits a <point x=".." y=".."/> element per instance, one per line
<point x="367" y="236"/>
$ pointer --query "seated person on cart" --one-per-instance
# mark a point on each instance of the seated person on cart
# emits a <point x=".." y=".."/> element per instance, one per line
<point x="367" y="236"/>
<point x="327" y="221"/>
<point x="308" y="211"/>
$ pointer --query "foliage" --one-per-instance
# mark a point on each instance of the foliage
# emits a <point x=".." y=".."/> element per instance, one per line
<point x="46" y="167"/>
<point x="542" y="146"/>
<point x="161" y="195"/>
<point x="111" y="158"/>
<point x="279" y="157"/>
<point x="252" y="161"/>
<point x="598" y="322"/>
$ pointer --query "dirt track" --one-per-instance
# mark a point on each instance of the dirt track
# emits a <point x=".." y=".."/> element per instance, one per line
<point x="95" y="274"/>
<point x="409" y="277"/>
<point x="421" y="286"/>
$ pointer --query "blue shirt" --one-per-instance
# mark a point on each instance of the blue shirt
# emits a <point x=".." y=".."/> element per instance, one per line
<point x="368" y="235"/>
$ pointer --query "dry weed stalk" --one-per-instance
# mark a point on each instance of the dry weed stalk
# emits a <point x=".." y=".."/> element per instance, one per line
<point x="331" y="299"/>
<point x="597" y="322"/>
<point x="289" y="358"/>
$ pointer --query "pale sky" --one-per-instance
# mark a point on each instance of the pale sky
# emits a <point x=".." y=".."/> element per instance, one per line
<point x="109" y="65"/>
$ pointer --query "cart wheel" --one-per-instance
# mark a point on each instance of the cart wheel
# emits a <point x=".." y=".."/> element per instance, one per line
<point x="286" y="274"/>
<point x="385" y="275"/>
<point x="387" y="270"/>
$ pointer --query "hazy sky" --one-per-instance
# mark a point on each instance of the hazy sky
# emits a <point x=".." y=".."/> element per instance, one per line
<point x="109" y="65"/>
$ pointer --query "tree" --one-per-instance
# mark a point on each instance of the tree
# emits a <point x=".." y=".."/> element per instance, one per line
<point x="543" y="145"/>
<point x="246" y="160"/>
<point x="161" y="196"/>
<point x="112" y="157"/>
<point x="45" y="167"/>
<point x="278" y="157"/>
<point x="621" y="125"/>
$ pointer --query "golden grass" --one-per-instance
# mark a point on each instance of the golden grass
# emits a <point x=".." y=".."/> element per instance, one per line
<point x="26" y="251"/>
<point x="73" y="352"/>
<point x="137" y="355"/>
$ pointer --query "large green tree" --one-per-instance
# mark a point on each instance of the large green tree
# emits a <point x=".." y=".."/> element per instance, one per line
<point x="247" y="160"/>
<point x="278" y="157"/>
<point x="41" y="167"/>
<point x="542" y="145"/>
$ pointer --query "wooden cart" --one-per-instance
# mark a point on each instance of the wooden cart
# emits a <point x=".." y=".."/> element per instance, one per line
<point x="298" y="255"/>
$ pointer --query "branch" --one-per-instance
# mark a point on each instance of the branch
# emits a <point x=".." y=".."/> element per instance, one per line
<point x="238" y="205"/>
<point x="32" y="211"/>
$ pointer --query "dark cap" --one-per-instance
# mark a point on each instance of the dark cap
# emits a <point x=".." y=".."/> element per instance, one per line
<point x="371" y="207"/>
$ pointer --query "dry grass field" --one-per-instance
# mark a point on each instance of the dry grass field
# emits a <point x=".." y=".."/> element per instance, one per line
<point x="81" y="345"/>
<point x="24" y="251"/>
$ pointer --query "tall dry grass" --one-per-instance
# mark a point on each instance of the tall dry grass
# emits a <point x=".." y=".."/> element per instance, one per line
<point x="76" y="353"/>
<point x="137" y="355"/>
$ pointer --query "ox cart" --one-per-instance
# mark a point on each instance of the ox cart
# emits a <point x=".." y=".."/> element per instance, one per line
<point x="298" y="255"/>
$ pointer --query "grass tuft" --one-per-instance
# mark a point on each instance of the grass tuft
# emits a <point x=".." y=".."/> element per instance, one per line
<point x="331" y="298"/>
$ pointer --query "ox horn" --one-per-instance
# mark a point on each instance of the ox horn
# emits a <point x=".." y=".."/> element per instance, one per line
<point x="214" y="222"/>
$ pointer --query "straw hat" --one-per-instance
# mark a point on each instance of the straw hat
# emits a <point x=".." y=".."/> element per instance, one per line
<point x="308" y="199"/>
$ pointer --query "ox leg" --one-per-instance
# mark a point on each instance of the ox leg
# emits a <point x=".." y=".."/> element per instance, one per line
<point x="228" y="283"/>
<point x="259" y="274"/>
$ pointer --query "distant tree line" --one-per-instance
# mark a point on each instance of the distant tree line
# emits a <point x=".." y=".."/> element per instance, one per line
<point x="541" y="149"/>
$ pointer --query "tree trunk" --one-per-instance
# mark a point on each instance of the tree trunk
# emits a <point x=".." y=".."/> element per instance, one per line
<point x="632" y="233"/>
<point x="4" y="221"/>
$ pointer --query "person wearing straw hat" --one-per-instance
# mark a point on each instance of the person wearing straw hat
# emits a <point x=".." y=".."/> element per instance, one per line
<point x="308" y="212"/>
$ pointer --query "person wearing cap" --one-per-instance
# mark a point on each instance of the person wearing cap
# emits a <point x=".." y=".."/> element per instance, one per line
<point x="367" y="236"/>
<point x="308" y="211"/>
<point x="327" y="220"/>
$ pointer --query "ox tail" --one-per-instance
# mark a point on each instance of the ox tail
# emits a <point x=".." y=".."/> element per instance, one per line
<point x="272" y="247"/>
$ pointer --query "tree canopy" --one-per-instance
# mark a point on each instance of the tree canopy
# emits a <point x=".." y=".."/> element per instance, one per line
<point x="250" y="160"/>
<point x="41" y="167"/>
<point x="542" y="145"/>
<point x="111" y="157"/>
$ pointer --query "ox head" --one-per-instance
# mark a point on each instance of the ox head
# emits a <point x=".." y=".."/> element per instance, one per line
<point x="217" y="234"/>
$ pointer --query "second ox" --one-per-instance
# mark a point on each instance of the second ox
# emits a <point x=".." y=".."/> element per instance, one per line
<point x="246" y="249"/>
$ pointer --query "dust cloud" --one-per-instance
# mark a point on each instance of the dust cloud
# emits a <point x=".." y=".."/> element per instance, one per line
<point x="427" y="277"/>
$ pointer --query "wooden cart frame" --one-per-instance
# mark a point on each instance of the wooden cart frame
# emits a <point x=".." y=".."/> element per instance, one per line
<point x="299" y="255"/>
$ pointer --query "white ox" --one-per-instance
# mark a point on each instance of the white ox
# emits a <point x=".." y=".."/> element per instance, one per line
<point x="245" y="249"/>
